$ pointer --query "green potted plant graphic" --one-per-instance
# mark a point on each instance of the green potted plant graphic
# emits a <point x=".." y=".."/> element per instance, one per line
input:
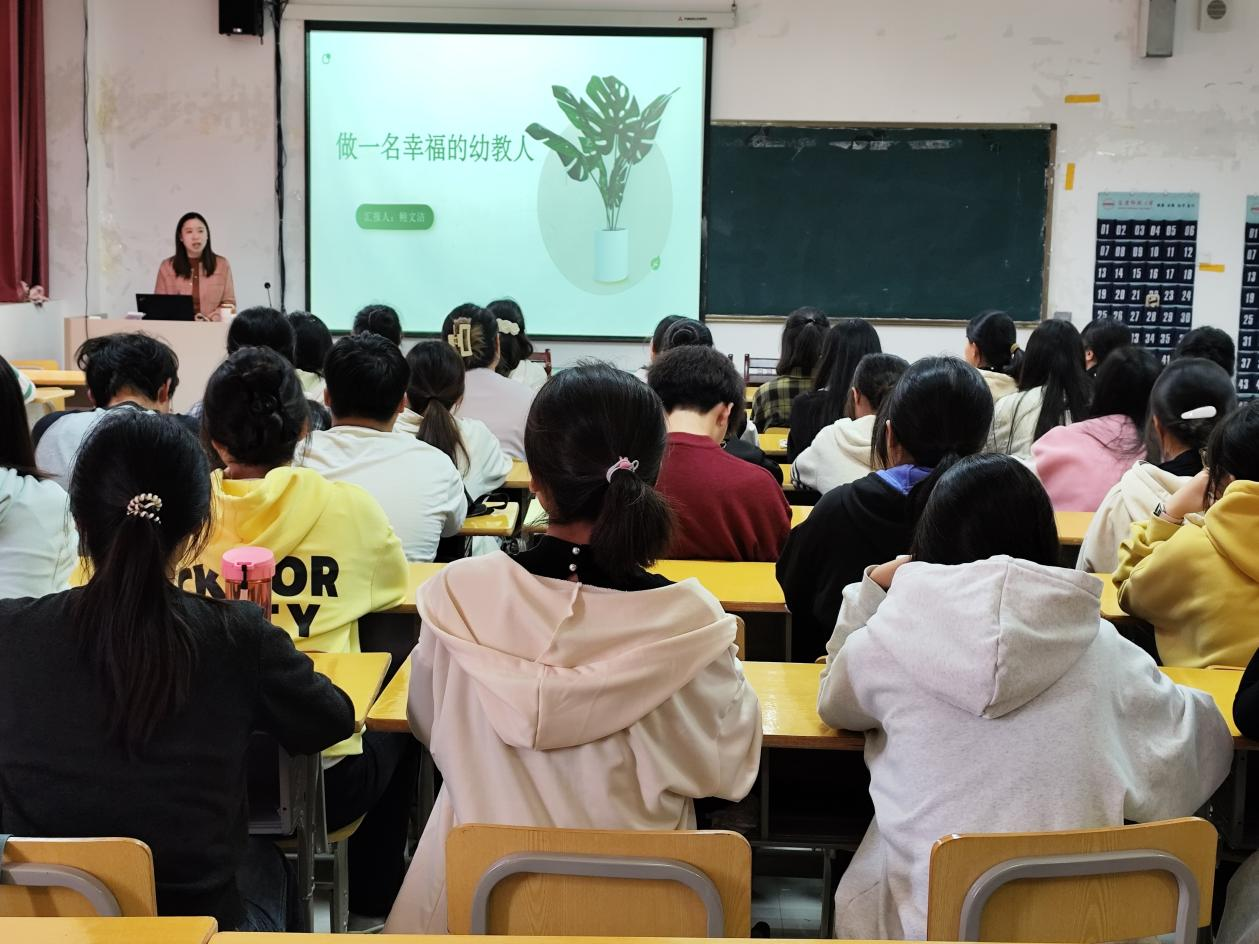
<point x="614" y="134"/>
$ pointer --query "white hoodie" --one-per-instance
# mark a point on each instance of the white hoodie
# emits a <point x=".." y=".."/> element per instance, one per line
<point x="1132" y="499"/>
<point x="552" y="703"/>
<point x="485" y="466"/>
<point x="839" y="454"/>
<point x="38" y="541"/>
<point x="996" y="700"/>
<point x="1014" y="418"/>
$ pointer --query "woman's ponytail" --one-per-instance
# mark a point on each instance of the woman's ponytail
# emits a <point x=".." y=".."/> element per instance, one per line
<point x="435" y="387"/>
<point x="140" y="496"/>
<point x="594" y="441"/>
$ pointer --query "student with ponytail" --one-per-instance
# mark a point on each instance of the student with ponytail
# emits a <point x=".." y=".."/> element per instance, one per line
<point x="499" y="403"/>
<point x="613" y="698"/>
<point x="802" y="337"/>
<point x="434" y="392"/>
<point x="992" y="348"/>
<point x="939" y="411"/>
<point x="156" y="690"/>
<point x="1053" y="391"/>
<point x="1190" y="398"/>
<point x="1192" y="568"/>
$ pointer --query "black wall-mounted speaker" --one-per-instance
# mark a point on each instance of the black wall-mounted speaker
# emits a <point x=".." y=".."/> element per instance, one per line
<point x="240" y="17"/>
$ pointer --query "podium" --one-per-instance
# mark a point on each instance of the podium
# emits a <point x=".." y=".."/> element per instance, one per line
<point x="200" y="346"/>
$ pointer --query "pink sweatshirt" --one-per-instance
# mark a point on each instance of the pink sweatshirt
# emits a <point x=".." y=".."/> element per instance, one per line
<point x="1080" y="463"/>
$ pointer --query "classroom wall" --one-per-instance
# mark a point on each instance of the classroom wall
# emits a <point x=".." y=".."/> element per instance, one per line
<point x="181" y="117"/>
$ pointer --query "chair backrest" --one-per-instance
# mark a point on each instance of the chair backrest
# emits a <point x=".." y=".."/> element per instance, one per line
<point x="757" y="370"/>
<point x="526" y="901"/>
<point x="123" y="866"/>
<point x="543" y="358"/>
<point x="1077" y="885"/>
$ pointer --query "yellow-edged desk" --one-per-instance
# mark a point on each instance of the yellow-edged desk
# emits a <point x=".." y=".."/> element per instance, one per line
<point x="499" y="523"/>
<point x="74" y="383"/>
<point x="773" y="441"/>
<point x="236" y="937"/>
<point x="107" y="930"/>
<point x="518" y="477"/>
<point x="1072" y="526"/>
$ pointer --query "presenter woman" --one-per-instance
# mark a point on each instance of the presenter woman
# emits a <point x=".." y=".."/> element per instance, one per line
<point x="196" y="270"/>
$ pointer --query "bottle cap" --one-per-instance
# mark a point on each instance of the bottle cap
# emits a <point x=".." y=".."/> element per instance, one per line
<point x="257" y="562"/>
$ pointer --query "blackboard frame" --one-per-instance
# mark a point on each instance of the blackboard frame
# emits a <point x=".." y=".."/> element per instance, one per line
<point x="1050" y="179"/>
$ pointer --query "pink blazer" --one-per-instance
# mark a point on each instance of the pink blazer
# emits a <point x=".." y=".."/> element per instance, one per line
<point x="216" y="290"/>
<point x="1080" y="463"/>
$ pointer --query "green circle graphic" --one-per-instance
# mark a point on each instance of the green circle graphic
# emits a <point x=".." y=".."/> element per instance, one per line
<point x="570" y="214"/>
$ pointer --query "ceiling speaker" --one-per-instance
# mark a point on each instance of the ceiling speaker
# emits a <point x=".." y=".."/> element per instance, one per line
<point x="240" y="17"/>
<point x="1216" y="16"/>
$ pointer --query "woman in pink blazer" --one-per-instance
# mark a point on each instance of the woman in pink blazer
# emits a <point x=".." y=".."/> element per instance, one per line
<point x="196" y="270"/>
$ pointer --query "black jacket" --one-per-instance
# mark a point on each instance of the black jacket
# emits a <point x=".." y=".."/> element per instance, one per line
<point x="741" y="449"/>
<point x="184" y="795"/>
<point x="1246" y="705"/>
<point x="807" y="420"/>
<point x="853" y="526"/>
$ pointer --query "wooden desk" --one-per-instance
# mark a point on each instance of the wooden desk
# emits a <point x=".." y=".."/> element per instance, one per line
<point x="262" y="938"/>
<point x="1072" y="526"/>
<point x="389" y="714"/>
<point x="57" y="378"/>
<point x="1111" y="610"/>
<point x="358" y="674"/>
<point x="788" y="485"/>
<point x="417" y="574"/>
<point x="500" y="524"/>
<point x="773" y="441"/>
<point x="750" y="393"/>
<point x="1221" y="685"/>
<point x="107" y="930"/>
<point x="535" y="518"/>
<point x="518" y="477"/>
<point x="740" y="586"/>
<point x="799" y="513"/>
<point x="52" y="399"/>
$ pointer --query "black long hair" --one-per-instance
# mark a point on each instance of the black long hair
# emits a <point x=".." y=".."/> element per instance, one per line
<point x="584" y="420"/>
<point x="1187" y="384"/>
<point x="311" y="341"/>
<point x="1234" y="450"/>
<point x="140" y="497"/>
<point x="513" y="348"/>
<point x="435" y="387"/>
<point x="802" y="340"/>
<point x="685" y="332"/>
<point x="1055" y="361"/>
<point x="1123" y="386"/>
<point x="255" y="408"/>
<point x="17" y="452"/>
<point x="843" y="347"/>
<point x="940" y="410"/>
<point x="953" y="530"/>
<point x="993" y="333"/>
<point x="180" y="261"/>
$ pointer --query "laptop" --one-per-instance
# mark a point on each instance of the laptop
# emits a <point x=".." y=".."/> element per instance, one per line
<point x="166" y="307"/>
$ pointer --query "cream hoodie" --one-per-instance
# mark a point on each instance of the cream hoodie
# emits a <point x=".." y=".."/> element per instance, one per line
<point x="999" y="385"/>
<point x="1014" y="423"/>
<point x="839" y="454"/>
<point x="1132" y="499"/>
<point x="1008" y="707"/>
<point x="551" y="703"/>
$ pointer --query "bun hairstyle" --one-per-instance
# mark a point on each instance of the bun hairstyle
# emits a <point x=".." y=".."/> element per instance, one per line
<point x="657" y="336"/>
<point x="582" y="423"/>
<point x="802" y="341"/>
<point x="685" y="332"/>
<point x="254" y="408"/>
<point x="140" y="496"/>
<point x="513" y="348"/>
<point x="1187" y="386"/>
<point x="1055" y="361"/>
<point x="940" y="410"/>
<point x="843" y="347"/>
<point x="953" y="531"/>
<point x="472" y="331"/>
<point x="993" y="333"/>
<point x="261" y="326"/>
<point x="1233" y="450"/>
<point x="876" y="375"/>
<point x="378" y="319"/>
<point x="435" y="388"/>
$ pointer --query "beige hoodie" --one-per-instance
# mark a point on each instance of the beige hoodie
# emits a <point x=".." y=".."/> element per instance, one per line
<point x="839" y="454"/>
<point x="1132" y="499"/>
<point x="552" y="703"/>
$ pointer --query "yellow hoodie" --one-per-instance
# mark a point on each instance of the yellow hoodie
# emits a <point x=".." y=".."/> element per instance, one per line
<point x="1198" y="583"/>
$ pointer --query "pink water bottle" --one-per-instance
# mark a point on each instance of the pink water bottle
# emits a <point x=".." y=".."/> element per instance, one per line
<point x="247" y="574"/>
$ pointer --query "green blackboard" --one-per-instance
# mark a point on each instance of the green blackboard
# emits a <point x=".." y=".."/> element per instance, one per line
<point x="924" y="223"/>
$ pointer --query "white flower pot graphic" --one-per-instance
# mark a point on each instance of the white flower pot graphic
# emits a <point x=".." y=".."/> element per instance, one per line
<point x="611" y="255"/>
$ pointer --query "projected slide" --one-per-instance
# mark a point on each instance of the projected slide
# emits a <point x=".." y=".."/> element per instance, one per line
<point x="564" y="171"/>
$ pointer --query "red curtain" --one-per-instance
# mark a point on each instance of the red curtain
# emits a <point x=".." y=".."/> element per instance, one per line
<point x="23" y="154"/>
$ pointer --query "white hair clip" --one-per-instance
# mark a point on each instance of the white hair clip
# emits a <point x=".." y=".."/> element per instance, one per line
<point x="461" y="340"/>
<point x="508" y="327"/>
<point x="145" y="505"/>
<point x="1200" y="413"/>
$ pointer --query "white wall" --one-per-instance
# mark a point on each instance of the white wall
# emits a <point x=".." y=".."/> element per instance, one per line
<point x="181" y="118"/>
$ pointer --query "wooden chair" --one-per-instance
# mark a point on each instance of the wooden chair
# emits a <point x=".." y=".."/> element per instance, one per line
<point x="73" y="878"/>
<point x="522" y="880"/>
<point x="757" y="370"/>
<point x="1077" y="885"/>
<point x="35" y="365"/>
<point x="543" y="358"/>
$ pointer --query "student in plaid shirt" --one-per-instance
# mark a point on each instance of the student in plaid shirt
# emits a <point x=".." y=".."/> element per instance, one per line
<point x="801" y="347"/>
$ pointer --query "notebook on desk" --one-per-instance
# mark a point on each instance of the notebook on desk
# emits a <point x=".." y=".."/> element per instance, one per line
<point x="166" y="307"/>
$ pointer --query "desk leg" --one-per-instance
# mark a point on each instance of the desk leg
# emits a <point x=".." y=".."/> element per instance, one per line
<point x="787" y="638"/>
<point x="306" y="814"/>
<point x="764" y="793"/>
